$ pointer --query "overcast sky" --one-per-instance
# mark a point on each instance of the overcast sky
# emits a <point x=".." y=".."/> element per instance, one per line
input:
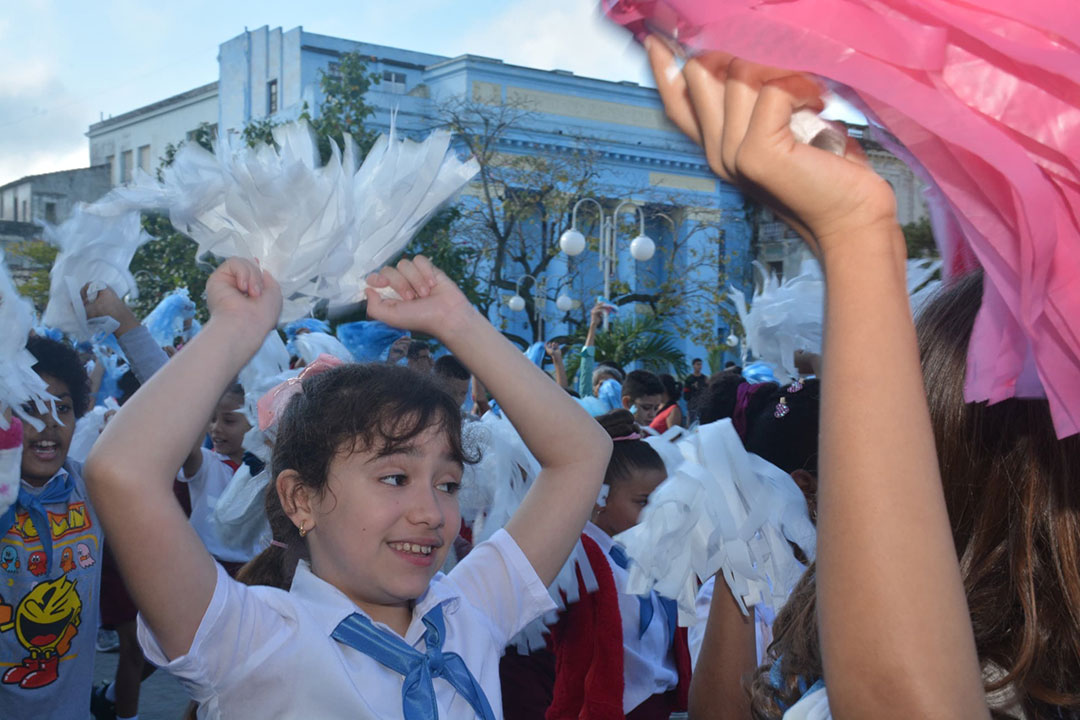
<point x="66" y="64"/>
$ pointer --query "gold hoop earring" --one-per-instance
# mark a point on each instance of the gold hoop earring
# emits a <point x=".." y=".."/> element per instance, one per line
<point x="303" y="532"/>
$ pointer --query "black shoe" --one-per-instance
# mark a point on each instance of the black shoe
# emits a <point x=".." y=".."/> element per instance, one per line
<point x="100" y="706"/>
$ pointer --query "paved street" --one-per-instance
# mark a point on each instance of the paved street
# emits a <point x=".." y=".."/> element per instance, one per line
<point x="162" y="697"/>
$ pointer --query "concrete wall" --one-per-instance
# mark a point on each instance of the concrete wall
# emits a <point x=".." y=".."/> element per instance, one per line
<point x="61" y="190"/>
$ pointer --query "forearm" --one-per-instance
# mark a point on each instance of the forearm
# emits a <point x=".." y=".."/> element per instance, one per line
<point x="887" y="567"/>
<point x="142" y="351"/>
<point x="560" y="372"/>
<point x="585" y="371"/>
<point x="728" y="655"/>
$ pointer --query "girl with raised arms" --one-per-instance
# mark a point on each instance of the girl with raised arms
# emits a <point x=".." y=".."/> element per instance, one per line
<point x="369" y="628"/>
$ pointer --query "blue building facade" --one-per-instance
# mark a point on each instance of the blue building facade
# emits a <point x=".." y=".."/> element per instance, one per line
<point x="702" y="237"/>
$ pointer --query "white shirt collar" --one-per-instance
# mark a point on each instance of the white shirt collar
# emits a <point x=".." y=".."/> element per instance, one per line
<point x="35" y="489"/>
<point x="601" y="538"/>
<point x="330" y="606"/>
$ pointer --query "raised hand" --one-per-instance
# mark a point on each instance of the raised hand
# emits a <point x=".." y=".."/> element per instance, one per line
<point x="106" y="303"/>
<point x="552" y="348"/>
<point x="429" y="301"/>
<point x="740" y="113"/>
<point x="240" y="290"/>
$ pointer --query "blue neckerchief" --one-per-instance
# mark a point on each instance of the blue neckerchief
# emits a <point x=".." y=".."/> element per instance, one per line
<point x="57" y="490"/>
<point x="776" y="679"/>
<point x="418" y="669"/>
<point x="645" y="614"/>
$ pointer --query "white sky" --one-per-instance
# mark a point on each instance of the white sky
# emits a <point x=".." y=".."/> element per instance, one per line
<point x="66" y="64"/>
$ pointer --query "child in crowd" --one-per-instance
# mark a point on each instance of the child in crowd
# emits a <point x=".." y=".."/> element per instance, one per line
<point x="419" y="357"/>
<point x="617" y="654"/>
<point x="52" y="541"/>
<point x="670" y="414"/>
<point x="642" y="394"/>
<point x="454" y="377"/>
<point x="366" y="464"/>
<point x="889" y="624"/>
<point x="207" y="473"/>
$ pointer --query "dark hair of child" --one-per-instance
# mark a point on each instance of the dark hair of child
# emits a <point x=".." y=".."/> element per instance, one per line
<point x="450" y="367"/>
<point x="787" y="438"/>
<point x="639" y="383"/>
<point x="627" y="456"/>
<point x="673" y="389"/>
<point x="350" y="408"/>
<point x="62" y="362"/>
<point x="415" y="348"/>
<point x="1013" y="499"/>
<point x="127" y="384"/>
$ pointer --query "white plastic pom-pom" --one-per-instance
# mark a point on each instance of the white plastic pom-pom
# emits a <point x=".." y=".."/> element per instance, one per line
<point x="642" y="248"/>
<point x="564" y="303"/>
<point x="572" y="242"/>
<point x="517" y="303"/>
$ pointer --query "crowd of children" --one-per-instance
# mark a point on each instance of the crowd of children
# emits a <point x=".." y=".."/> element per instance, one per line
<point x="854" y="541"/>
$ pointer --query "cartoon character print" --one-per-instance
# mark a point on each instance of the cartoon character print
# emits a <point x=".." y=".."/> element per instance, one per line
<point x="9" y="560"/>
<point x="36" y="564"/>
<point x="67" y="560"/>
<point x="45" y="621"/>
<point x="85" y="558"/>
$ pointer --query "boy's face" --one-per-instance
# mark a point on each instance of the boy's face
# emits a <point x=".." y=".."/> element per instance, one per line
<point x="228" y="427"/>
<point x="626" y="500"/>
<point x="697" y="367"/>
<point x="455" y="388"/>
<point x="645" y="407"/>
<point x="45" y="451"/>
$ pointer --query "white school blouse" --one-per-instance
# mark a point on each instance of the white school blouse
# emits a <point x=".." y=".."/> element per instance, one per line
<point x="648" y="661"/>
<point x="261" y="652"/>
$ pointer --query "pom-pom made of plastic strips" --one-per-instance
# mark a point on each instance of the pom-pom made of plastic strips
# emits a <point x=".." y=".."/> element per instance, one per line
<point x="166" y="321"/>
<point x="95" y="248"/>
<point x="88" y="428"/>
<point x="401" y="184"/>
<point x="493" y="488"/>
<point x="368" y="340"/>
<point x="310" y="345"/>
<point x="308" y="324"/>
<point x="788" y="316"/>
<point x="723" y="510"/>
<point x="10" y="463"/>
<point x="981" y="100"/>
<point x="271" y="359"/>
<point x="239" y="515"/>
<point x="19" y="384"/>
<point x="535" y="353"/>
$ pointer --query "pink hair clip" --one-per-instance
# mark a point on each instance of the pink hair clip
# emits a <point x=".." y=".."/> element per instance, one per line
<point x="631" y="436"/>
<point x="274" y="401"/>
<point x="278" y="543"/>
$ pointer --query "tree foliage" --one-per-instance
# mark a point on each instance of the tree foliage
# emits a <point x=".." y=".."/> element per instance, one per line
<point x="641" y="338"/>
<point x="919" y="238"/>
<point x="33" y="283"/>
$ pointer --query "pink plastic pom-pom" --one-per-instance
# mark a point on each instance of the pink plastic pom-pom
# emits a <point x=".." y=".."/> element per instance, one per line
<point x="983" y="102"/>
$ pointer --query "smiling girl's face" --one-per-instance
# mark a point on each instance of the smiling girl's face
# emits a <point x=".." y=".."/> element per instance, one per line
<point x="385" y="521"/>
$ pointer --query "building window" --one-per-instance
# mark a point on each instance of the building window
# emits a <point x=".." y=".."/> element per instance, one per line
<point x="50" y="213"/>
<point x="271" y="97"/>
<point x="111" y="162"/>
<point x="15" y="208"/>
<point x="126" y="166"/>
<point x="393" y="82"/>
<point x="334" y="70"/>
<point x="25" y="213"/>
<point x="144" y="158"/>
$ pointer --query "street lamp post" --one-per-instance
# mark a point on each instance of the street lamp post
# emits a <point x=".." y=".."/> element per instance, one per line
<point x="517" y="303"/>
<point x="642" y="247"/>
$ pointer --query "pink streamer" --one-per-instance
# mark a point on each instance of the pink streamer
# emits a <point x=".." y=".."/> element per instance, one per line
<point x="982" y="100"/>
<point x="272" y="404"/>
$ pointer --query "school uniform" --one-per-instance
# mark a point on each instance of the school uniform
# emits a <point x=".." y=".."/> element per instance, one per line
<point x="205" y="486"/>
<point x="267" y="653"/>
<point x="608" y="662"/>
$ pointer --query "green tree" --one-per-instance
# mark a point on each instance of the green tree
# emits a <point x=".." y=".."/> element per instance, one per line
<point x="165" y="263"/>
<point x="641" y="338"/>
<point x="33" y="283"/>
<point x="919" y="238"/>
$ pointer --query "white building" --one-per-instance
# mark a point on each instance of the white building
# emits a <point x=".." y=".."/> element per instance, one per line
<point x="137" y="139"/>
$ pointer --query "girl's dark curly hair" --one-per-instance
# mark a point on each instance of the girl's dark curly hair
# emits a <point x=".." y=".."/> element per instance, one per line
<point x="63" y="363"/>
